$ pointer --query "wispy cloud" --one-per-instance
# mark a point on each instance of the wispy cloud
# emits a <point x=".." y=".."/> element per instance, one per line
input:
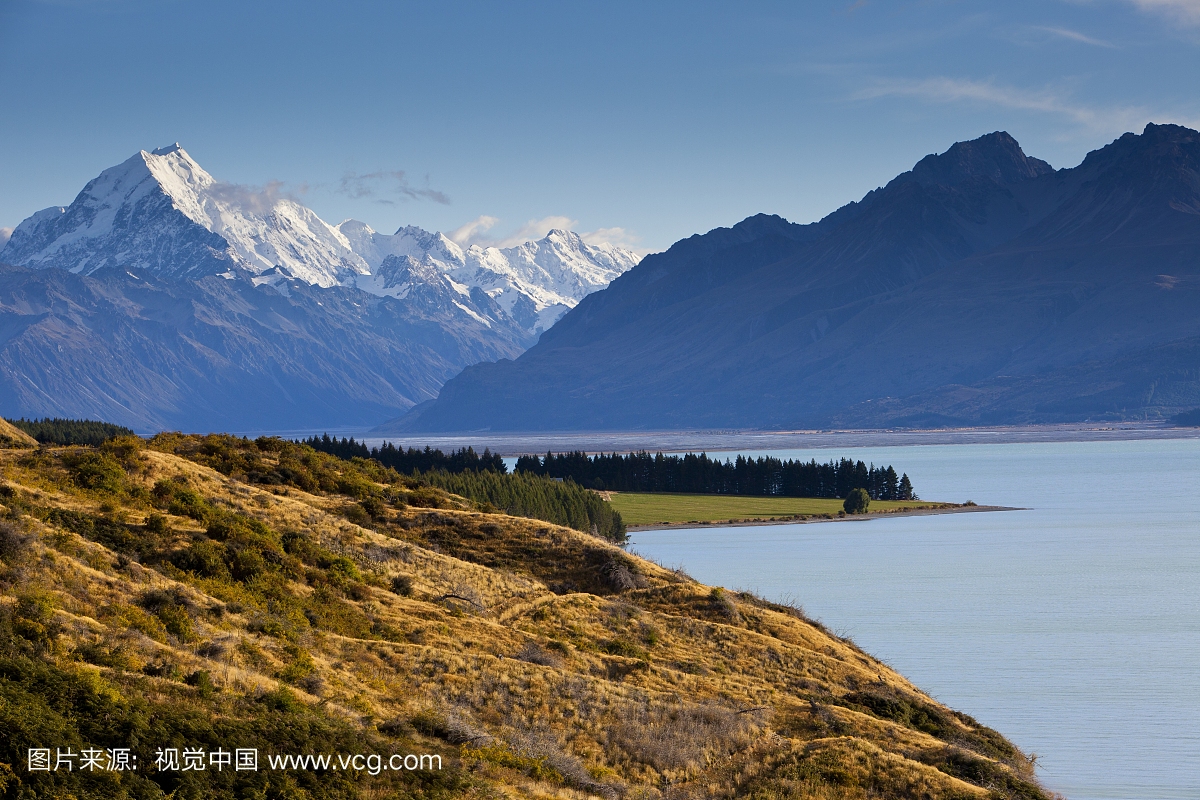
<point x="5" y="235"/>
<point x="472" y="232"/>
<point x="475" y="233"/>
<point x="1186" y="11"/>
<point x="386" y="186"/>
<point x="957" y="90"/>
<point x="1075" y="36"/>
<point x="257" y="199"/>
<point x="618" y="237"/>
<point x="537" y="228"/>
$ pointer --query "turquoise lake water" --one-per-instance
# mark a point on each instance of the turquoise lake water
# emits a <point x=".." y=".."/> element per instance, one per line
<point x="1072" y="627"/>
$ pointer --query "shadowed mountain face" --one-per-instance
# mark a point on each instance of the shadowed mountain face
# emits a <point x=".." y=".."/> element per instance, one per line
<point x="982" y="287"/>
<point x="220" y="353"/>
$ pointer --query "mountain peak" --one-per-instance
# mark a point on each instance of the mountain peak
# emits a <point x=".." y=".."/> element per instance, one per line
<point x="995" y="155"/>
<point x="1169" y="131"/>
<point x="168" y="150"/>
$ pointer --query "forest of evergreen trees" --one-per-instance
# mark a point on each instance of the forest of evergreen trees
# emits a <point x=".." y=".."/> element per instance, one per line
<point x="410" y="460"/>
<point x="524" y="495"/>
<point x="485" y="479"/>
<point x="71" y="431"/>
<point x="699" y="474"/>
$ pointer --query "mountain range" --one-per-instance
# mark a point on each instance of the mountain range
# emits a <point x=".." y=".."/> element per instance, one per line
<point x="163" y="298"/>
<point x="981" y="287"/>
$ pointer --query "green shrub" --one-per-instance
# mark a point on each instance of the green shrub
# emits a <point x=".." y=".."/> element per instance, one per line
<point x="202" y="681"/>
<point x="33" y="618"/>
<point x="857" y="502"/>
<point x="157" y="524"/>
<point x="171" y="608"/>
<point x="345" y="568"/>
<point x="356" y="514"/>
<point x="402" y="585"/>
<point x="204" y="559"/>
<point x="96" y="471"/>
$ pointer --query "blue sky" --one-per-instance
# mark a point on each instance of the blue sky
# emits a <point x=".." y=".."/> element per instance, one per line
<point x="639" y="123"/>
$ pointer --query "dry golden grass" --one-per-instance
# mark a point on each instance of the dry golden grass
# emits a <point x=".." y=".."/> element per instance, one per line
<point x="542" y="661"/>
<point x="12" y="436"/>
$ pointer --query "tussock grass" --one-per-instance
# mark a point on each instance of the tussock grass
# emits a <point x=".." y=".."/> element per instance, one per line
<point x="226" y="591"/>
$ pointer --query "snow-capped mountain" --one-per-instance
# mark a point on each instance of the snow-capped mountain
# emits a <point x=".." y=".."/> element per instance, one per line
<point x="535" y="282"/>
<point x="164" y="298"/>
<point x="161" y="212"/>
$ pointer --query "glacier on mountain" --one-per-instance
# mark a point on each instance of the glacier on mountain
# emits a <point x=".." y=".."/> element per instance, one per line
<point x="535" y="282"/>
<point x="161" y="211"/>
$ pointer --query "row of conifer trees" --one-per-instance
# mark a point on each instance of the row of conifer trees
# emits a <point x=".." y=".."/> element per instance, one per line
<point x="692" y="473"/>
<point x="410" y="460"/>
<point x="485" y="479"/>
<point x="525" y="495"/>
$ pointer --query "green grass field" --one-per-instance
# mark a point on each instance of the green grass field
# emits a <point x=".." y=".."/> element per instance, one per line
<point x="651" y="509"/>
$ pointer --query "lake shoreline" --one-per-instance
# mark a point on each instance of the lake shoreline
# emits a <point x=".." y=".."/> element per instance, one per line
<point x="747" y="523"/>
<point x="720" y="440"/>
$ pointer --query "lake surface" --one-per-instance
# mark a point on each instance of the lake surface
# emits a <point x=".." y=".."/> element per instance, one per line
<point x="1073" y="627"/>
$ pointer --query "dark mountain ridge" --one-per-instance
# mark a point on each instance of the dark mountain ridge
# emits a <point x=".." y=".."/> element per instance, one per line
<point x="981" y="287"/>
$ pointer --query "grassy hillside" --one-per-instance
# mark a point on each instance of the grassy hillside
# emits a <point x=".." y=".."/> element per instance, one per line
<point x="219" y="593"/>
<point x="12" y="436"/>
<point x="648" y="509"/>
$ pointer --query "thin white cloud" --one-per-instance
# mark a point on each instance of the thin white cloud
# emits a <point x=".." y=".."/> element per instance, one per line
<point x="617" y="237"/>
<point x="1075" y="36"/>
<point x="5" y="235"/>
<point x="957" y="90"/>
<point x="473" y="231"/>
<point x="384" y="186"/>
<point x="1186" y="11"/>
<point x="257" y="199"/>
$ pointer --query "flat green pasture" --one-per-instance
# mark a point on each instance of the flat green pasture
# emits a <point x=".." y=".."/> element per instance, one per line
<point x="652" y="509"/>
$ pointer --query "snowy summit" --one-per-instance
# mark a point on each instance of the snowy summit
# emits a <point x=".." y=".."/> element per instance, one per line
<point x="161" y="212"/>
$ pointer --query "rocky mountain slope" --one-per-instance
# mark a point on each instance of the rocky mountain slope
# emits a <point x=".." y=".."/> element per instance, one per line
<point x="981" y="287"/>
<point x="163" y="298"/>
<point x="216" y="593"/>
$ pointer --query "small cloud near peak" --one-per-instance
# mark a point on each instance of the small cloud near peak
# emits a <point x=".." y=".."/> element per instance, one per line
<point x="5" y="235"/>
<point x="617" y="237"/>
<point x="257" y="199"/>
<point x="472" y="232"/>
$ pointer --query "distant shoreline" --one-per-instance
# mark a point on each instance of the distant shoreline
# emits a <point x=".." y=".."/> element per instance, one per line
<point x="748" y="523"/>
<point x="715" y="440"/>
